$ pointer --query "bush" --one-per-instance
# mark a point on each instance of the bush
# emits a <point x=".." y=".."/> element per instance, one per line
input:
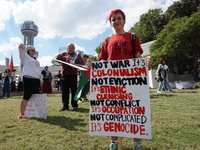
<point x="197" y="85"/>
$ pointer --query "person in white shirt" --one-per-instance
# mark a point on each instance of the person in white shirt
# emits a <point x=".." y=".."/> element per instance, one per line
<point x="162" y="74"/>
<point x="30" y="70"/>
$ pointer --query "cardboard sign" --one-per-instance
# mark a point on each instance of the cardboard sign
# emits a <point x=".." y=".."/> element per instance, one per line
<point x="120" y="99"/>
<point x="36" y="106"/>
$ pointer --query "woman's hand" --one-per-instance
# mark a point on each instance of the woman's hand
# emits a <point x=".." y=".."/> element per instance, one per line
<point x="36" y="54"/>
<point x="22" y="46"/>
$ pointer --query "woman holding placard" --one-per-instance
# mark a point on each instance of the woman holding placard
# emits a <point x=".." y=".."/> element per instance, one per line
<point x="121" y="45"/>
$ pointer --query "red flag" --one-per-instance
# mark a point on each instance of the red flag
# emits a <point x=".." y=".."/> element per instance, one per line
<point x="11" y="64"/>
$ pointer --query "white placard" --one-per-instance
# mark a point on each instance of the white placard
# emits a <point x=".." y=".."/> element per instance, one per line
<point x="36" y="106"/>
<point x="120" y="99"/>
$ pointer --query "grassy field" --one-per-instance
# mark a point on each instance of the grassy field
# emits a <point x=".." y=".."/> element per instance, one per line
<point x="175" y="125"/>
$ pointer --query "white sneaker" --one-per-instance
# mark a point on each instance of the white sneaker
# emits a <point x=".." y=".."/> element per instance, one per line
<point x="159" y="92"/>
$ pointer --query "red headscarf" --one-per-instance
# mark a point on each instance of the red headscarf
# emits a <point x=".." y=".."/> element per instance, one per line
<point x="116" y="11"/>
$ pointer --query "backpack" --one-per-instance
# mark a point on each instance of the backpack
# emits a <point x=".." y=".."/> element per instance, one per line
<point x="132" y="42"/>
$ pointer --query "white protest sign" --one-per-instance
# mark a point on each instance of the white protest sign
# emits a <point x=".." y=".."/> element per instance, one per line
<point x="120" y="99"/>
<point x="36" y="106"/>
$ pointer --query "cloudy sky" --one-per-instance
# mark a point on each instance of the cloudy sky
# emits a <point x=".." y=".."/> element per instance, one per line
<point x="82" y="22"/>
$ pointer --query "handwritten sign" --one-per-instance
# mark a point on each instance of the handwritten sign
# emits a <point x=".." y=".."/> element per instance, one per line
<point x="120" y="99"/>
<point x="36" y="106"/>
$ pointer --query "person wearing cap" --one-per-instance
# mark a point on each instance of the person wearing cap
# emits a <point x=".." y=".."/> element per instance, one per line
<point x="30" y="70"/>
<point x="47" y="78"/>
<point x="119" y="47"/>
<point x="69" y="76"/>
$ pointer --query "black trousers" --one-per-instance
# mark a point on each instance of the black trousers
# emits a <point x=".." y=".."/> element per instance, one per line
<point x="69" y="85"/>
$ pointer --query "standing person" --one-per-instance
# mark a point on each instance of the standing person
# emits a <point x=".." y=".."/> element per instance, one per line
<point x="13" y="82"/>
<point x="6" y="80"/>
<point x="85" y="58"/>
<point x="58" y="77"/>
<point x="162" y="74"/>
<point x="1" y="83"/>
<point x="20" y="84"/>
<point x="31" y="75"/>
<point x="47" y="78"/>
<point x="119" y="47"/>
<point x="86" y="88"/>
<point x="69" y="80"/>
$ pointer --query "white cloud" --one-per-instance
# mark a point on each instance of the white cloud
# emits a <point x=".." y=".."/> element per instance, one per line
<point x="45" y="60"/>
<point x="6" y="8"/>
<point x="77" y="47"/>
<point x="83" y="19"/>
<point x="2" y="62"/>
<point x="10" y="46"/>
<point x="40" y="45"/>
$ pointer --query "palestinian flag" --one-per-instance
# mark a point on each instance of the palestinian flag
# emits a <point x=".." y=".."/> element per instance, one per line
<point x="84" y="78"/>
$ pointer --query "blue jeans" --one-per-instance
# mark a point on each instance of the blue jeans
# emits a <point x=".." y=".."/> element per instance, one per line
<point x="166" y="82"/>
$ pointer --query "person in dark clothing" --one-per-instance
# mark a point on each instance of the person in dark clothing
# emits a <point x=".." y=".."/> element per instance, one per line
<point x="13" y="81"/>
<point x="6" y="77"/>
<point x="58" y="77"/>
<point x="86" y="88"/>
<point x="47" y="77"/>
<point x="69" y="79"/>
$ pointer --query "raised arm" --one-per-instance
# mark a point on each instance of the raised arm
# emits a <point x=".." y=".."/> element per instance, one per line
<point x="22" y="52"/>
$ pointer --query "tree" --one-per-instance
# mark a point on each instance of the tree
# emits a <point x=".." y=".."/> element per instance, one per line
<point x="150" y="24"/>
<point x="97" y="50"/>
<point x="182" y="8"/>
<point x="94" y="58"/>
<point x="154" y="21"/>
<point x="179" y="43"/>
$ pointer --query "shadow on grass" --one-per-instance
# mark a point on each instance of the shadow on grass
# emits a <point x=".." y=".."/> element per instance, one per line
<point x="186" y="91"/>
<point x="83" y="110"/>
<point x="154" y="94"/>
<point x="64" y="122"/>
<point x="161" y="95"/>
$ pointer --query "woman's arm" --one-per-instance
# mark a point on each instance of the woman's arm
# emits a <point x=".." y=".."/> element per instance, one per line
<point x="22" y="52"/>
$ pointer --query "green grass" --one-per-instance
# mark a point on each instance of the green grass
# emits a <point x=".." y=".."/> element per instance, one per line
<point x="175" y="125"/>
